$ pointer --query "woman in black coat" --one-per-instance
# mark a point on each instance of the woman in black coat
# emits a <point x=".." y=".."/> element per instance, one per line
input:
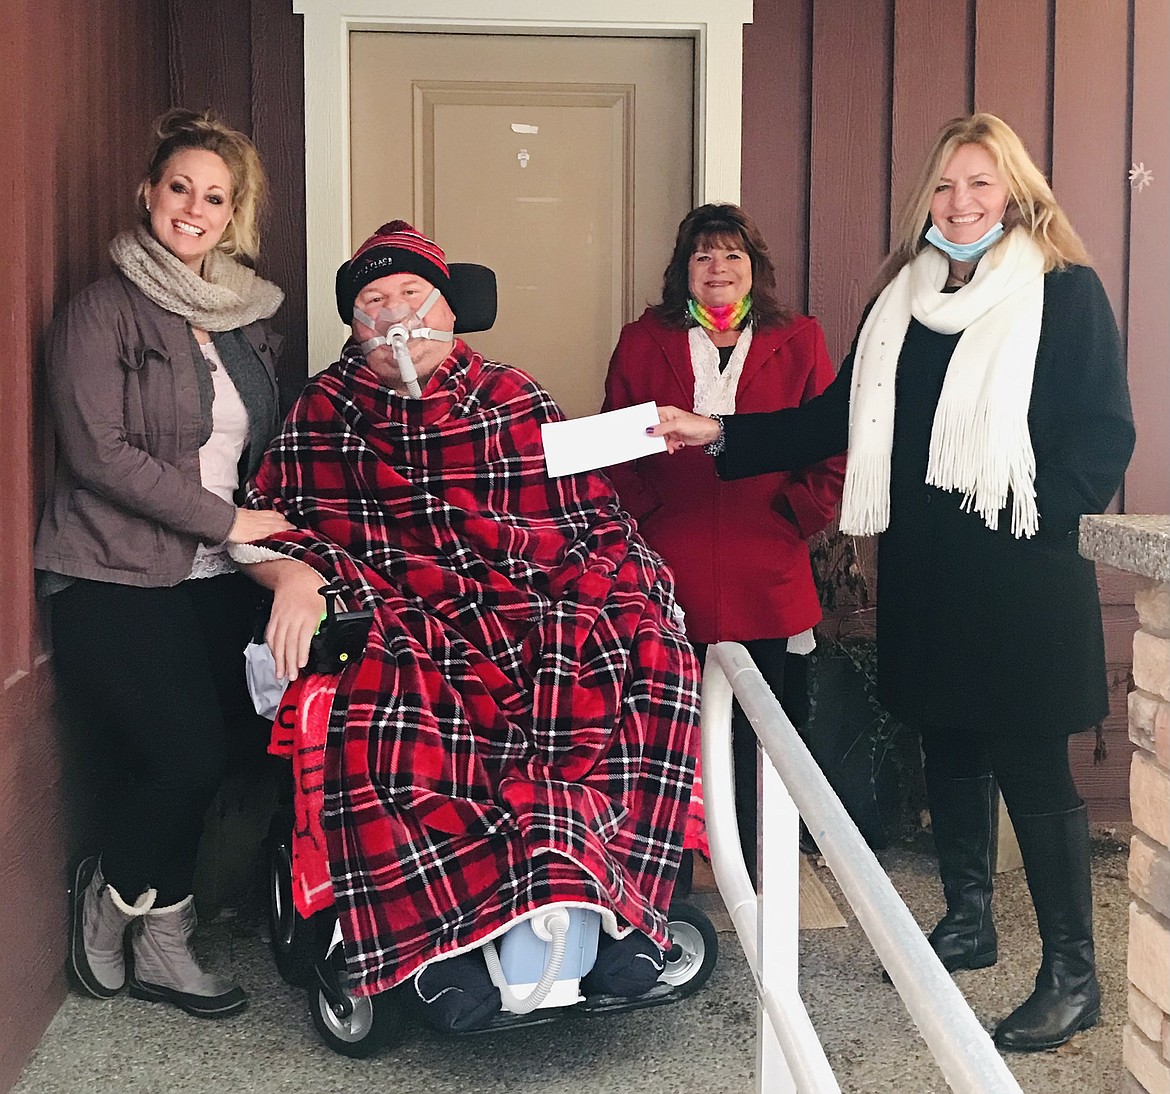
<point x="985" y="408"/>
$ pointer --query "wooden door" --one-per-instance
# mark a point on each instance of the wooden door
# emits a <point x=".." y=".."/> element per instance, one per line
<point x="564" y="164"/>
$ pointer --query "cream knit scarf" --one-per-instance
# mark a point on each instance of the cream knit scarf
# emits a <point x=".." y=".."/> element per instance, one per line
<point x="715" y="390"/>
<point x="228" y="295"/>
<point x="979" y="444"/>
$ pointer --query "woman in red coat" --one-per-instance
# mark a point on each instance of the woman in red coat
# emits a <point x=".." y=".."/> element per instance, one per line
<point x="722" y="343"/>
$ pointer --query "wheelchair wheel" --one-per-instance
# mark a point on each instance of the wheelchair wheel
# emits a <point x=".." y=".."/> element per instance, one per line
<point x="374" y="1021"/>
<point x="693" y="952"/>
<point x="291" y="937"/>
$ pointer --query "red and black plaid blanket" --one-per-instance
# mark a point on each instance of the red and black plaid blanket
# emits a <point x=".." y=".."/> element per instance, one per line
<point x="523" y="728"/>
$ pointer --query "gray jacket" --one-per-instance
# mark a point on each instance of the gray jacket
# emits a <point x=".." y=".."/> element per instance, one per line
<point x="126" y="504"/>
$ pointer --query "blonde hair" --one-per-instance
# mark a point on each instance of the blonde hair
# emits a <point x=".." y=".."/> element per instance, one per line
<point x="1031" y="205"/>
<point x="181" y="129"/>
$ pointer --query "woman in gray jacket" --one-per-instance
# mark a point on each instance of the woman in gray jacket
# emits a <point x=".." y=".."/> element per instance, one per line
<point x="162" y="383"/>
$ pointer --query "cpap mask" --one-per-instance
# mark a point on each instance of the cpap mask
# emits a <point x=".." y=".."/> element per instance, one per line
<point x="395" y="327"/>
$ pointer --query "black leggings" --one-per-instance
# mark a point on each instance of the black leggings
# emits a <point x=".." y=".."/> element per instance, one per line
<point x="158" y="676"/>
<point x="1032" y="772"/>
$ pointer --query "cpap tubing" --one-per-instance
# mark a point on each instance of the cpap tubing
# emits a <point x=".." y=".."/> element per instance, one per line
<point x="552" y="924"/>
<point x="405" y="365"/>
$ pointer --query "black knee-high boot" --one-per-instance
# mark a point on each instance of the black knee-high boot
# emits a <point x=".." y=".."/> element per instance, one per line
<point x="964" y="814"/>
<point x="1067" y="998"/>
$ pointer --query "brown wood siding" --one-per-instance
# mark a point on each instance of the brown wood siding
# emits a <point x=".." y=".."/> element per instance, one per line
<point x="1086" y="87"/>
<point x="849" y="213"/>
<point x="1013" y="69"/>
<point x="1147" y="488"/>
<point x="278" y="128"/>
<point x="776" y="162"/>
<point x="211" y="58"/>
<point x="932" y="81"/>
<point x="77" y="93"/>
<point x="1090" y="133"/>
<point x="245" y="59"/>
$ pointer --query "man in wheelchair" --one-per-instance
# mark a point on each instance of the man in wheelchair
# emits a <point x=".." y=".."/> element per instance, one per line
<point x="522" y="728"/>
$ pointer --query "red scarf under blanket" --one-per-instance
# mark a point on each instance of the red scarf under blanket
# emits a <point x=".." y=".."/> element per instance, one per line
<point x="299" y="735"/>
<point x="523" y="728"/>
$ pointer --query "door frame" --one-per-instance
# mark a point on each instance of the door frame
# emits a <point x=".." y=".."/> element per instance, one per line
<point x="716" y="28"/>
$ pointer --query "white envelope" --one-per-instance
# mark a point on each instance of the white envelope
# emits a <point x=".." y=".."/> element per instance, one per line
<point x="600" y="440"/>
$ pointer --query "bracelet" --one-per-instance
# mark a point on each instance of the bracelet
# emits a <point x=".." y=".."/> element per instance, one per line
<point x="716" y="447"/>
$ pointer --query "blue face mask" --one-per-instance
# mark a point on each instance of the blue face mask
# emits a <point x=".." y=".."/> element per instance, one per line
<point x="964" y="252"/>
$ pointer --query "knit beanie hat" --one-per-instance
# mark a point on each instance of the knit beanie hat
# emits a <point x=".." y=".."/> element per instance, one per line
<point x="396" y="247"/>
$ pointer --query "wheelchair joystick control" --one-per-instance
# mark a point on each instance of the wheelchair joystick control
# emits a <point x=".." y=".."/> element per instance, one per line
<point x="341" y="636"/>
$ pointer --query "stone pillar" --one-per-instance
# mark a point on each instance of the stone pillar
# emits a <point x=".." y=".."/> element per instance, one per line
<point x="1141" y="545"/>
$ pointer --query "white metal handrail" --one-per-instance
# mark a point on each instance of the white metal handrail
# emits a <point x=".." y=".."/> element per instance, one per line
<point x="963" y="1050"/>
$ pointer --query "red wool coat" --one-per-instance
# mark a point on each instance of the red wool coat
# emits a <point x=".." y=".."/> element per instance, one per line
<point x="741" y="564"/>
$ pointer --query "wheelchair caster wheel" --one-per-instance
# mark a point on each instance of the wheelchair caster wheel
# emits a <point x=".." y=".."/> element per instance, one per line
<point x="693" y="951"/>
<point x="357" y="1026"/>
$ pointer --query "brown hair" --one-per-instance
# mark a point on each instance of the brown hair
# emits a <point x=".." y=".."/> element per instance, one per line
<point x="729" y="226"/>
<point x="1031" y="204"/>
<point x="180" y="129"/>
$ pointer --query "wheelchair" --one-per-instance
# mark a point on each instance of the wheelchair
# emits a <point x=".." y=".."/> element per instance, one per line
<point x="309" y="952"/>
<point x="308" y="955"/>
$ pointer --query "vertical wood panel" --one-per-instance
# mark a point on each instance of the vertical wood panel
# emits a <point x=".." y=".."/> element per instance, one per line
<point x="1090" y="133"/>
<point x="849" y="163"/>
<point x="66" y="187"/>
<point x="1147" y="485"/>
<point x="246" y="61"/>
<point x="15" y="383"/>
<point x="776" y="137"/>
<point x="931" y="84"/>
<point x="1013" y="70"/>
<point x="211" y="58"/>
<point x="108" y="49"/>
<point x="32" y="871"/>
<point x="278" y="125"/>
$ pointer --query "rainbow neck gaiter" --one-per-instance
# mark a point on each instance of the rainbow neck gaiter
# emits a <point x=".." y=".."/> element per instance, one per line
<point x="720" y="318"/>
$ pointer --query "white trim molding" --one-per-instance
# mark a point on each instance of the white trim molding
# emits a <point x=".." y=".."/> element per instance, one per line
<point x="715" y="25"/>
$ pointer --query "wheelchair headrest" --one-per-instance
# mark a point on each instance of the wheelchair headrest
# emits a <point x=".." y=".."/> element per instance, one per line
<point x="473" y="296"/>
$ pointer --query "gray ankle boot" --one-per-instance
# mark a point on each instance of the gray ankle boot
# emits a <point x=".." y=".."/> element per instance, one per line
<point x="165" y="969"/>
<point x="98" y="917"/>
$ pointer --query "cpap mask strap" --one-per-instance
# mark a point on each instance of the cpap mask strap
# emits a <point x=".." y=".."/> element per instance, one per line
<point x="430" y="332"/>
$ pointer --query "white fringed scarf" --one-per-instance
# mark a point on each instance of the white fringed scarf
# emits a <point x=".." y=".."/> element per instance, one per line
<point x="228" y="296"/>
<point x="979" y="444"/>
<point x="715" y="390"/>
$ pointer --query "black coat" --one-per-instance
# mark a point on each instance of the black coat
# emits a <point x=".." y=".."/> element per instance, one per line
<point x="978" y="630"/>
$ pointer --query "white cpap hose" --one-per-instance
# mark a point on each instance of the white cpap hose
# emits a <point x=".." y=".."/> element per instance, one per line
<point x="553" y="925"/>
<point x="398" y="339"/>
